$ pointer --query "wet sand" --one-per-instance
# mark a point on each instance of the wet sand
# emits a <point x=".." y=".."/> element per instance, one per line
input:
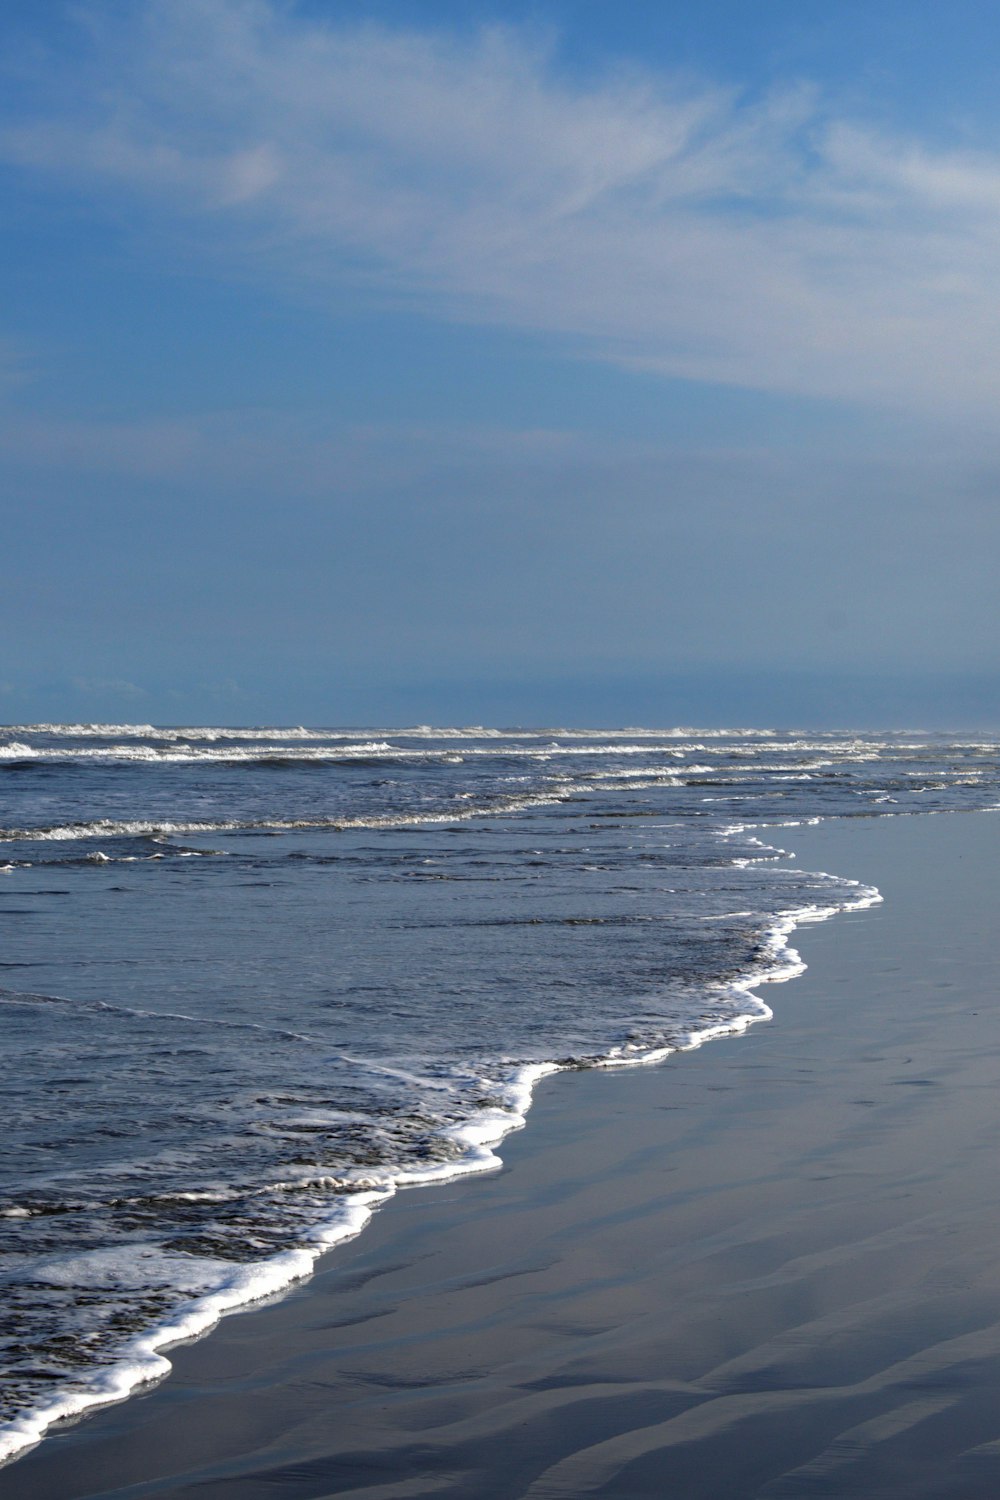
<point x="770" y="1268"/>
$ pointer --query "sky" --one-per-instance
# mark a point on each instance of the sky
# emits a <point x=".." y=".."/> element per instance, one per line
<point x="536" y="361"/>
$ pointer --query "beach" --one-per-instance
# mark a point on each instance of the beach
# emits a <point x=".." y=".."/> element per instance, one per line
<point x="499" y="760"/>
<point x="763" y="1268"/>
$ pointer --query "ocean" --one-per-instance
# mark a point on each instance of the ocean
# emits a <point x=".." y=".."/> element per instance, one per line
<point x="256" y="980"/>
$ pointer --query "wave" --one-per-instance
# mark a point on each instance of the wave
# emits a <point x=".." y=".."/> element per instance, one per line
<point x="357" y="753"/>
<point x="175" y="754"/>
<point x="110" y="828"/>
<point x="220" y="1287"/>
<point x="300" y="732"/>
<point x="140" y="745"/>
<point x="483" y="732"/>
<point x="211" y="1288"/>
<point x="159" y="732"/>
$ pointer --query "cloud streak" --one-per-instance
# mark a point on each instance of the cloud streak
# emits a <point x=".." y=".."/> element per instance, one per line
<point x="673" y="226"/>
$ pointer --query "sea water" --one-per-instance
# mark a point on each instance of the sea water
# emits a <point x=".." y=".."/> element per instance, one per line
<point x="255" y="980"/>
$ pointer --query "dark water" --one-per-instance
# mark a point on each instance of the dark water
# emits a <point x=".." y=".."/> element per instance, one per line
<point x="252" y="979"/>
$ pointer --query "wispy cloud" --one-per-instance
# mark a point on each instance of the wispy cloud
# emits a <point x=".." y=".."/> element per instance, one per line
<point x="766" y="242"/>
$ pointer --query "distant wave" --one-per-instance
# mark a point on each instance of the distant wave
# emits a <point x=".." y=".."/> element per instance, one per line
<point x="109" y="828"/>
<point x="173" y="752"/>
<point x="159" y="732"/>
<point x="299" y="731"/>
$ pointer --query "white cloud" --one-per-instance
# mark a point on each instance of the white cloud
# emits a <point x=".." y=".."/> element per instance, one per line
<point x="766" y="243"/>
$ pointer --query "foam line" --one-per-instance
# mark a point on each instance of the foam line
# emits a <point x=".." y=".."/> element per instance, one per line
<point x="143" y="1360"/>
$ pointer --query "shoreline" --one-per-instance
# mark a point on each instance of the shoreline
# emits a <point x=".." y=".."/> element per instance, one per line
<point x="115" y="1441"/>
<point x="144" y="1362"/>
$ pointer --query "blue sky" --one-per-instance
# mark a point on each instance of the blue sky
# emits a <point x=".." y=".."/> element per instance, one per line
<point x="589" y="362"/>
